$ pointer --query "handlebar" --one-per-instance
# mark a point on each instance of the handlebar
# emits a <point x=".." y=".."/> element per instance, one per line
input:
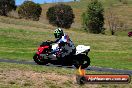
<point x="46" y="43"/>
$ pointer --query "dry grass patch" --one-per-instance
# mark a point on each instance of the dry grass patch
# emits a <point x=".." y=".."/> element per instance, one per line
<point x="21" y="78"/>
<point x="38" y="80"/>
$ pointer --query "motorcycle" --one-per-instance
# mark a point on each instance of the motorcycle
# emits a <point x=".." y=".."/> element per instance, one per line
<point x="44" y="56"/>
<point x="129" y="34"/>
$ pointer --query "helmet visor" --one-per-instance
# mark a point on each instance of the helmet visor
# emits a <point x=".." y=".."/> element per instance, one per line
<point x="56" y="35"/>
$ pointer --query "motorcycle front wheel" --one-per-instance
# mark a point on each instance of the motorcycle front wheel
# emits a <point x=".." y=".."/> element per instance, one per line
<point x="39" y="61"/>
<point x="81" y="60"/>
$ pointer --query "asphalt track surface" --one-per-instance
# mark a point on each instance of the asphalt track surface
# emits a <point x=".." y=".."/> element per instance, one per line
<point x="91" y="68"/>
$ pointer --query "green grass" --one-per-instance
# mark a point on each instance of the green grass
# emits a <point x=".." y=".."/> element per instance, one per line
<point x="20" y="44"/>
<point x="45" y="69"/>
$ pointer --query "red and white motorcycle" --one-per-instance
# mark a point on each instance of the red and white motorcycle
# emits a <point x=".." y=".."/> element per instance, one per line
<point x="80" y="58"/>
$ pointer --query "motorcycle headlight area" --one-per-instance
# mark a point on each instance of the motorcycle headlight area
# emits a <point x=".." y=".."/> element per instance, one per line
<point x="38" y="50"/>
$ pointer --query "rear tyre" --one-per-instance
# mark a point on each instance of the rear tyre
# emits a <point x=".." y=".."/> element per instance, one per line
<point x="39" y="61"/>
<point x="82" y="60"/>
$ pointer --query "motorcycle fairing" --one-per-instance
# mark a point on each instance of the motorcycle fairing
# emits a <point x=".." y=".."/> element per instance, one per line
<point x="82" y="49"/>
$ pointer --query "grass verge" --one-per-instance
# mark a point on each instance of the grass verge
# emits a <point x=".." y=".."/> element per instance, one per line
<point x="32" y="76"/>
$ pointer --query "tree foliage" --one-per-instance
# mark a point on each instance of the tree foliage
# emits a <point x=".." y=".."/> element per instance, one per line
<point x="6" y="6"/>
<point x="30" y="10"/>
<point x="93" y="19"/>
<point x="60" y="15"/>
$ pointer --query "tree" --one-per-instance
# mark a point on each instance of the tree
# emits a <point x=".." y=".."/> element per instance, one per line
<point x="94" y="21"/>
<point x="30" y="10"/>
<point x="113" y="21"/>
<point x="6" y="6"/>
<point x="84" y="20"/>
<point x="60" y="15"/>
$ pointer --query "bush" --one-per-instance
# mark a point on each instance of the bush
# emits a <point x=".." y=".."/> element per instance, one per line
<point x="93" y="19"/>
<point x="30" y="10"/>
<point x="60" y="15"/>
<point x="6" y="6"/>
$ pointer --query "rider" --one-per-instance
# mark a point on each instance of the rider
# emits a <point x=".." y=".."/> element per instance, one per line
<point x="65" y="45"/>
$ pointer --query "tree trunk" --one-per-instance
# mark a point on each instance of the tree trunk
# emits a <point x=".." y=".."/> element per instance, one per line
<point x="112" y="32"/>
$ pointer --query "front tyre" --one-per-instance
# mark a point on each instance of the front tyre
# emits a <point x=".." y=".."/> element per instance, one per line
<point x="80" y="80"/>
<point x="82" y="60"/>
<point x="38" y="60"/>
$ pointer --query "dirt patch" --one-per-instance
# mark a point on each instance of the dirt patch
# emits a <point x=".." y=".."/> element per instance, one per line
<point x="19" y="78"/>
<point x="15" y="78"/>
